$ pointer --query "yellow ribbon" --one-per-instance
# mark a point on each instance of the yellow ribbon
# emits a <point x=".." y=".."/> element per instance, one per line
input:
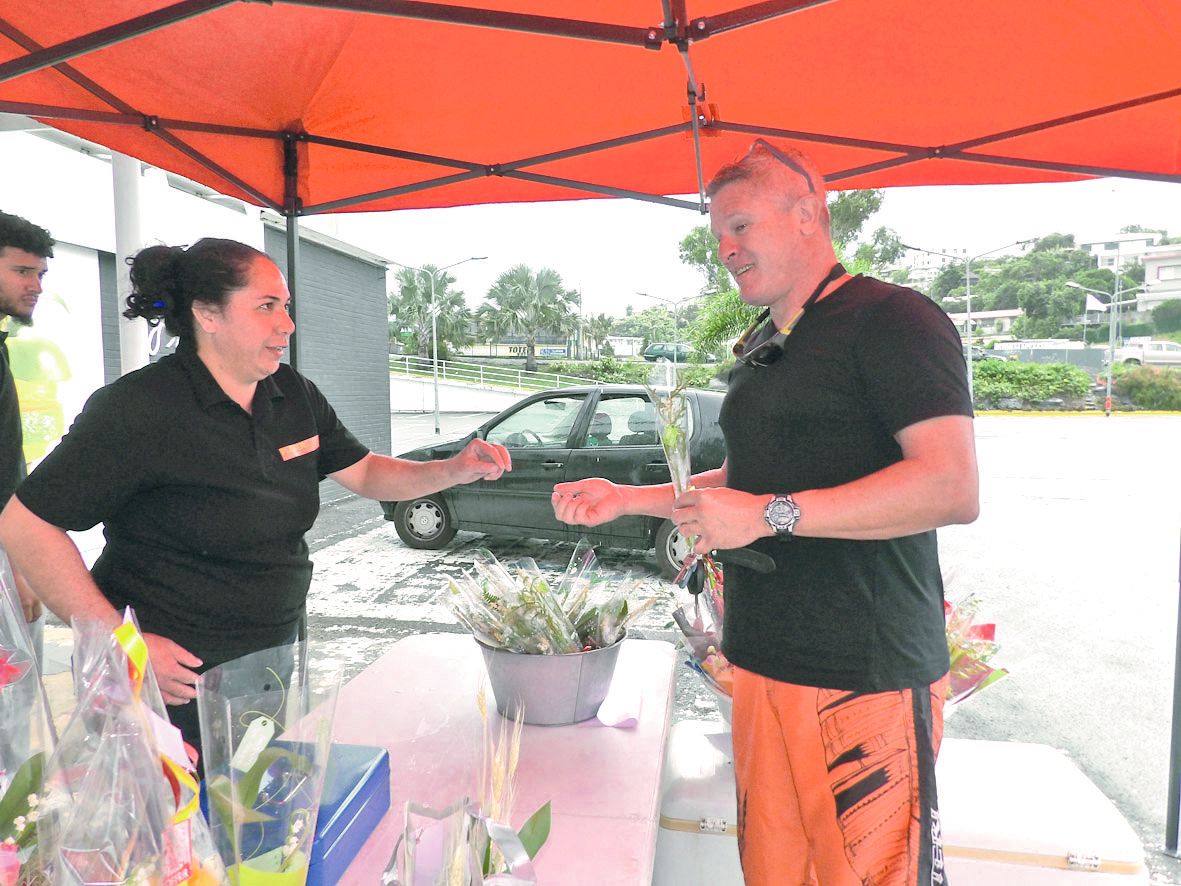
<point x="132" y="642"/>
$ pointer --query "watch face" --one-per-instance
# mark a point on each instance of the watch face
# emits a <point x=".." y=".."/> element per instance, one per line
<point x="780" y="514"/>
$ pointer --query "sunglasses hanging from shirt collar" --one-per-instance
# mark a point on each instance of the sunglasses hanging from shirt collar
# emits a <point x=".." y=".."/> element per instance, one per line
<point x="767" y="352"/>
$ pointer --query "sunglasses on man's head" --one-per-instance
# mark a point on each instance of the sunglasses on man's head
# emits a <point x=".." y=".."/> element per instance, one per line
<point x="785" y="160"/>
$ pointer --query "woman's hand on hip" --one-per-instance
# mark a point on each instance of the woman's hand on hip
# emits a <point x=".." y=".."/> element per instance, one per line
<point x="172" y="664"/>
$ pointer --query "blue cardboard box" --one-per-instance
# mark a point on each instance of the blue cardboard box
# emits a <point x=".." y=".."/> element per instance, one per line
<point x="356" y="796"/>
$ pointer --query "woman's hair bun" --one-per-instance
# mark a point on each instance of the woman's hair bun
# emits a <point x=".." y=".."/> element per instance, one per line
<point x="156" y="282"/>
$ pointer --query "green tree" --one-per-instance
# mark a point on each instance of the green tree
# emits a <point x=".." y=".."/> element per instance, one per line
<point x="699" y="250"/>
<point x="1166" y="317"/>
<point x="598" y="328"/>
<point x="531" y="304"/>
<point x="883" y="249"/>
<point x="410" y="311"/>
<point x="1052" y="242"/>
<point x="949" y="281"/>
<point x="656" y="323"/>
<point x="848" y="212"/>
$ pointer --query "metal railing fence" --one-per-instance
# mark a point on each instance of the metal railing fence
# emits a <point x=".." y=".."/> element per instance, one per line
<point x="483" y="374"/>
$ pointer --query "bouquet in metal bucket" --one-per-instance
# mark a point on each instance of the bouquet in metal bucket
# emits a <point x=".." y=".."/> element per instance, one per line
<point x="516" y="608"/>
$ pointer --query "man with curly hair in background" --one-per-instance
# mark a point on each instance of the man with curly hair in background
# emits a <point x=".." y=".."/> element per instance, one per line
<point x="24" y="250"/>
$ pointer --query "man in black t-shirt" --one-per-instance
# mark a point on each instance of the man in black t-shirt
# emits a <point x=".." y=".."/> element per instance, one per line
<point x="849" y="440"/>
<point x="24" y="248"/>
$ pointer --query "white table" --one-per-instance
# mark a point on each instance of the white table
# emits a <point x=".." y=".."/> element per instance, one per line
<point x="419" y="702"/>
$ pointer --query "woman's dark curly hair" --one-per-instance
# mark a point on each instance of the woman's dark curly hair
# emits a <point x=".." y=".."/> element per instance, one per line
<point x="166" y="280"/>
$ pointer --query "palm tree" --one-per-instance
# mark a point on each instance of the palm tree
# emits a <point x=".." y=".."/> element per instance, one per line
<point x="410" y="309"/>
<point x="598" y="328"/>
<point x="531" y="304"/>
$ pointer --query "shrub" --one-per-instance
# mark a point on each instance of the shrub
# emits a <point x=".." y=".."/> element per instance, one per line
<point x="997" y="380"/>
<point x="1166" y="317"/>
<point x="611" y="371"/>
<point x="1149" y="388"/>
<point x="1128" y="330"/>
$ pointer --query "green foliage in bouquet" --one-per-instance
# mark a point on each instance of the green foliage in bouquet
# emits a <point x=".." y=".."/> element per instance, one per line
<point x="18" y="825"/>
<point x="18" y="815"/>
<point x="239" y="803"/>
<point x="519" y="610"/>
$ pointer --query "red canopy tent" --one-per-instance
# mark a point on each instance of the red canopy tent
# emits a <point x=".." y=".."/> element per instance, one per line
<point x="322" y="105"/>
<point x="311" y="106"/>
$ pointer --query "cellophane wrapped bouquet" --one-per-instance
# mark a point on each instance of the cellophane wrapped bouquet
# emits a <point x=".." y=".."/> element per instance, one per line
<point x="971" y="646"/>
<point x="119" y="803"/>
<point x="472" y="843"/>
<point x="515" y="607"/>
<point x="266" y="730"/>
<point x="26" y="739"/>
<point x="701" y="632"/>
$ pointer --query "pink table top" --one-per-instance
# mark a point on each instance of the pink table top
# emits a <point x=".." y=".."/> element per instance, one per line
<point x="419" y="702"/>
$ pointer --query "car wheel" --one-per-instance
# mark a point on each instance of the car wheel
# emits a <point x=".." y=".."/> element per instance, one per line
<point x="424" y="523"/>
<point x="1131" y="361"/>
<point x="671" y="549"/>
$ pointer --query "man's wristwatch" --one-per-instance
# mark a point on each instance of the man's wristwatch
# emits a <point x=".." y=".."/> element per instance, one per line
<point x="782" y="514"/>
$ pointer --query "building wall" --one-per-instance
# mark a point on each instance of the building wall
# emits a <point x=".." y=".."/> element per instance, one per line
<point x="108" y="285"/>
<point x="342" y="338"/>
<point x="1162" y="273"/>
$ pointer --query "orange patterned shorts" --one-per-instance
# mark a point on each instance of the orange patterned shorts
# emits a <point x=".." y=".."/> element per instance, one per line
<point x="835" y="787"/>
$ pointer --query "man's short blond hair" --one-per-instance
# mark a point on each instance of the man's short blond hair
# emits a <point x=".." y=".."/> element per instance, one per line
<point x="792" y="174"/>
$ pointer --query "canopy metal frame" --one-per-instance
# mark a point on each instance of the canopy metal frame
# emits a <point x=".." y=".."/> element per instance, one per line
<point x="676" y="30"/>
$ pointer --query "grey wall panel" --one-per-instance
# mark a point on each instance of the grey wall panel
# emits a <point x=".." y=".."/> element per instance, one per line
<point x="342" y="334"/>
<point x="109" y="308"/>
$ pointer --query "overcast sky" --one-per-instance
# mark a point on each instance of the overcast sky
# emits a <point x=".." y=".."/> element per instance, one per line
<point x="612" y="249"/>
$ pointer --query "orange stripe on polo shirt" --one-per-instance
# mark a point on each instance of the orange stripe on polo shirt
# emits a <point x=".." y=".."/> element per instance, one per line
<point x="303" y="447"/>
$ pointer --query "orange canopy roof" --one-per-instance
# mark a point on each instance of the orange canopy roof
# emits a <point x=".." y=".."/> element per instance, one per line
<point x="389" y="104"/>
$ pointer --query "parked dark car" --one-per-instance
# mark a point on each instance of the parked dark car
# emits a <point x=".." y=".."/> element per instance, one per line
<point x="555" y="436"/>
<point x="986" y="354"/>
<point x="674" y="352"/>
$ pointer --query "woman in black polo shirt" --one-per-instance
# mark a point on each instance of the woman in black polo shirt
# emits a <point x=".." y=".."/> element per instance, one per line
<point x="204" y="469"/>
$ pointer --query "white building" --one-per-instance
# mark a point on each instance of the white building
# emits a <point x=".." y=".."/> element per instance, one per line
<point x="1162" y="274"/>
<point x="923" y="267"/>
<point x="988" y="324"/>
<point x="1127" y="249"/>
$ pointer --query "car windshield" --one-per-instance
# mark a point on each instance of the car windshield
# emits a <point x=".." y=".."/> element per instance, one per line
<point x="539" y="424"/>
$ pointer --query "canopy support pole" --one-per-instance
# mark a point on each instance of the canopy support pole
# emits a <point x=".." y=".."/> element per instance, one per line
<point x="292" y="208"/>
<point x="675" y="23"/>
<point x="695" y="116"/>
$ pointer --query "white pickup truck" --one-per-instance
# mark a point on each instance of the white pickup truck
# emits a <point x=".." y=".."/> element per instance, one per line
<point x="1150" y="353"/>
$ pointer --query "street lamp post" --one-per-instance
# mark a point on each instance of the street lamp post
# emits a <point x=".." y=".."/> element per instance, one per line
<point x="434" y="324"/>
<point x="1113" y="306"/>
<point x="967" y="260"/>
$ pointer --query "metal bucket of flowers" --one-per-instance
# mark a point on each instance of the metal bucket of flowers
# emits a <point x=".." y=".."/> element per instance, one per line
<point x="550" y="651"/>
